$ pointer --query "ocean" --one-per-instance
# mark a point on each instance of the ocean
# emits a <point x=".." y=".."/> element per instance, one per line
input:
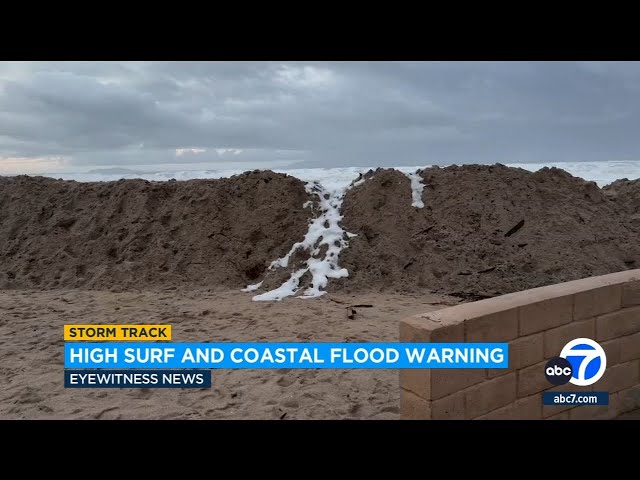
<point x="602" y="173"/>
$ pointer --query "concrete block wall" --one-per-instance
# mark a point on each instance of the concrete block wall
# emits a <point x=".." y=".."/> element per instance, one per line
<point x="536" y="323"/>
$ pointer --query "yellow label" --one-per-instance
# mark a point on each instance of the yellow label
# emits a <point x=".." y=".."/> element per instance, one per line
<point x="105" y="333"/>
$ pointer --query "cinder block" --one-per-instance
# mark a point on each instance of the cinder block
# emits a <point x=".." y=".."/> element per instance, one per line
<point x="528" y="408"/>
<point x="532" y="380"/>
<point x="629" y="399"/>
<point x="432" y="327"/>
<point x="612" y="351"/>
<point x="490" y="395"/>
<point x="556" y="338"/>
<point x="412" y="332"/>
<point x="630" y="294"/>
<point x="618" y="324"/>
<point x="540" y="316"/>
<point x="498" y="372"/>
<point x="482" y="308"/>
<point x="447" y="381"/>
<point x="554" y="410"/>
<point x="416" y="380"/>
<point x="526" y="351"/>
<point x="450" y="407"/>
<point x="495" y="327"/>
<point x="412" y="407"/>
<point x="523" y="352"/>
<point x="598" y="301"/>
<point x="432" y="384"/>
<point x="596" y="412"/>
<point x="629" y="347"/>
<point x="427" y="328"/>
<point x="619" y="377"/>
<point x="560" y="416"/>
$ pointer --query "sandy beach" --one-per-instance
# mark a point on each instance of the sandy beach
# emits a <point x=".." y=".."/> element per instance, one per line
<point x="31" y="354"/>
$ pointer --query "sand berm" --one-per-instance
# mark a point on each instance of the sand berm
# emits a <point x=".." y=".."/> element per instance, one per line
<point x="484" y="231"/>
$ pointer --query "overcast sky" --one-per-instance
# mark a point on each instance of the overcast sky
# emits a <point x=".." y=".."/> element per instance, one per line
<point x="154" y="116"/>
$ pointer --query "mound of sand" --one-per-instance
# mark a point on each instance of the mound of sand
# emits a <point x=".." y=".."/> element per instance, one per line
<point x="135" y="233"/>
<point x="484" y="231"/>
<point x="626" y="194"/>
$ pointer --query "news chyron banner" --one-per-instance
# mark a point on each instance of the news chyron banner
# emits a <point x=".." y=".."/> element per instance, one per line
<point x="102" y="376"/>
<point x="121" y="356"/>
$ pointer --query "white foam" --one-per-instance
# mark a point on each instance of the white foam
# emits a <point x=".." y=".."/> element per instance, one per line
<point x="251" y="288"/>
<point x="416" y="189"/>
<point x="288" y="288"/>
<point x="324" y="233"/>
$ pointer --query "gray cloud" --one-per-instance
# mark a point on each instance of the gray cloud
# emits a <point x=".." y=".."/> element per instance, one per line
<point x="88" y="114"/>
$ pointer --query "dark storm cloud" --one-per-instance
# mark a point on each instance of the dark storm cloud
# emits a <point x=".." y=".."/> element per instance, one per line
<point x="318" y="113"/>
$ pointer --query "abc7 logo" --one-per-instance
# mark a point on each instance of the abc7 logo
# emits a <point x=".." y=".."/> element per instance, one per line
<point x="581" y="362"/>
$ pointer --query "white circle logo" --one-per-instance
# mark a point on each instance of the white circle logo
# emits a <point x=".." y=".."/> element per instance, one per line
<point x="588" y="360"/>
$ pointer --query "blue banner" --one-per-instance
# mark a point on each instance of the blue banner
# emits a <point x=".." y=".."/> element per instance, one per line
<point x="285" y="355"/>
<point x="137" y="379"/>
<point x="575" y="398"/>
